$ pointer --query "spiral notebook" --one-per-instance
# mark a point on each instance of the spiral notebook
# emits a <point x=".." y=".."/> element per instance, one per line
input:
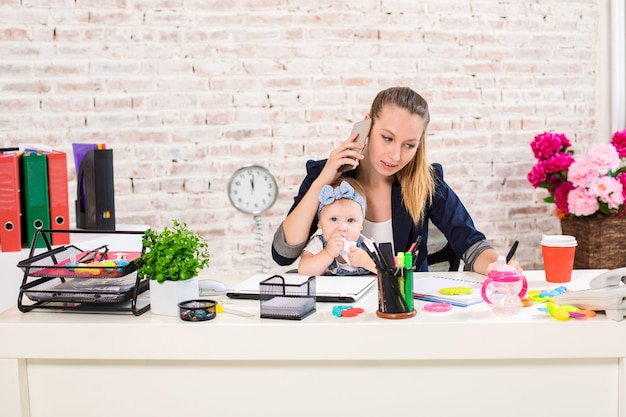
<point x="428" y="289"/>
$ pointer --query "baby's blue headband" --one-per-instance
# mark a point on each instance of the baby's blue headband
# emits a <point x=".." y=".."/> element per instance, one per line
<point x="344" y="190"/>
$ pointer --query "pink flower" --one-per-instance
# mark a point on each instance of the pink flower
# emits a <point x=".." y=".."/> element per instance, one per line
<point x="582" y="203"/>
<point x="582" y="173"/>
<point x="619" y="141"/>
<point x="547" y="144"/>
<point x="537" y="174"/>
<point x="559" y="162"/>
<point x="603" y="157"/>
<point x="622" y="179"/>
<point x="594" y="184"/>
<point x="608" y="190"/>
<point x="560" y="196"/>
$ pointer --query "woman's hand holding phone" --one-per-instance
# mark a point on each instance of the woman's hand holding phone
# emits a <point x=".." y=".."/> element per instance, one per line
<point x="362" y="130"/>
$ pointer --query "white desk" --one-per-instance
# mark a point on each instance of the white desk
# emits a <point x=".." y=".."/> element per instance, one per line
<point x="461" y="363"/>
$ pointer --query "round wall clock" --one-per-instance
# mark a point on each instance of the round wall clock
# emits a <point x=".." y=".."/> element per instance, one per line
<point x="252" y="189"/>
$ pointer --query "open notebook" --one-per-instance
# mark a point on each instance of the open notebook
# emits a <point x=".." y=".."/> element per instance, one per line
<point x="428" y="289"/>
<point x="329" y="288"/>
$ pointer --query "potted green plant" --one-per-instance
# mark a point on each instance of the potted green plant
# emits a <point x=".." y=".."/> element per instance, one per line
<point x="171" y="260"/>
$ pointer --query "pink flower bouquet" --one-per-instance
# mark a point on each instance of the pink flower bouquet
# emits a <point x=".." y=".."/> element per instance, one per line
<point x="592" y="185"/>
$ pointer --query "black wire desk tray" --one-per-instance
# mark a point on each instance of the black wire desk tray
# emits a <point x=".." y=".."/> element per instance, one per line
<point x="73" y="265"/>
<point x="68" y="278"/>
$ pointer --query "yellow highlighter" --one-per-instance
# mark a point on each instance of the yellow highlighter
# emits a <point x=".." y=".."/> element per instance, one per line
<point x="400" y="266"/>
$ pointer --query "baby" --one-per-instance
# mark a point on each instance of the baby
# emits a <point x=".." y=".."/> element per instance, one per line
<point x="336" y="247"/>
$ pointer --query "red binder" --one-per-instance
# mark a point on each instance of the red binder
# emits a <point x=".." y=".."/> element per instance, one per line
<point x="59" y="196"/>
<point x="10" y="206"/>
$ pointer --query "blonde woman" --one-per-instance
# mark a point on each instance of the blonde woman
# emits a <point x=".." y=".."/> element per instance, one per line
<point x="402" y="189"/>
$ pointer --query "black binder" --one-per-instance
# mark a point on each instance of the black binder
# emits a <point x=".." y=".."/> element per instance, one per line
<point x="95" y="199"/>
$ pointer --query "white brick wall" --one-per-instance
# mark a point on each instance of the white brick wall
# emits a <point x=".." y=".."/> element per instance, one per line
<point x="185" y="91"/>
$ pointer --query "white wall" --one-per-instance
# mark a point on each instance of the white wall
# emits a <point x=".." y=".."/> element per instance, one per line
<point x="185" y="91"/>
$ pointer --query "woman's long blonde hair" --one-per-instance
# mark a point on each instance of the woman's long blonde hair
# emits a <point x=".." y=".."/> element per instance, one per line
<point x="416" y="178"/>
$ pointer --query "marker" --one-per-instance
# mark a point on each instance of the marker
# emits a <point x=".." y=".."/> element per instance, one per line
<point x="408" y="280"/>
<point x="401" y="277"/>
<point x="415" y="245"/>
<point x="509" y="255"/>
<point x="414" y="251"/>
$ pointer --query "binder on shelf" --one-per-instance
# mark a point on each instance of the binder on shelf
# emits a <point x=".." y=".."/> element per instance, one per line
<point x="58" y="195"/>
<point x="95" y="199"/>
<point x="10" y="202"/>
<point x="35" y="195"/>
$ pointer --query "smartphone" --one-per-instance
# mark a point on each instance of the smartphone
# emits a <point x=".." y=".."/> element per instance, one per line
<point x="363" y="129"/>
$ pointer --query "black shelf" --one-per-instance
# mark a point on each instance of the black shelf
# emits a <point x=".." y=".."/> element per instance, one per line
<point x="56" y="280"/>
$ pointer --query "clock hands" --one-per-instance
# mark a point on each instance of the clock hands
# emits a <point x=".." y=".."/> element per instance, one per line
<point x="252" y="182"/>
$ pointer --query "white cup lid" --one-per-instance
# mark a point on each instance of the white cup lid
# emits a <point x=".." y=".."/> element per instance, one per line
<point x="561" y="241"/>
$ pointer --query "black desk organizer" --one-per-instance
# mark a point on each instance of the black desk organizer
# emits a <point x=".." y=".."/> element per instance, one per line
<point x="280" y="300"/>
<point x="46" y="277"/>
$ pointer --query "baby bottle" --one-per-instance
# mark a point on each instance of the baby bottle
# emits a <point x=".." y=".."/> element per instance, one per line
<point x="504" y="288"/>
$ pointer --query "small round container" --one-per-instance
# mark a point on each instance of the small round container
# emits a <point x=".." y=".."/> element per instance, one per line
<point x="197" y="310"/>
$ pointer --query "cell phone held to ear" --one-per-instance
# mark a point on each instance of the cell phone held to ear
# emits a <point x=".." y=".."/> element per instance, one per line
<point x="363" y="129"/>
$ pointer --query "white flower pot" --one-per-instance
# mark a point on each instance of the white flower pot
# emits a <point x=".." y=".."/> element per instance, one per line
<point x="165" y="296"/>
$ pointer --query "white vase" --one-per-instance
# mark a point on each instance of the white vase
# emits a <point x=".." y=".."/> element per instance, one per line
<point x="165" y="296"/>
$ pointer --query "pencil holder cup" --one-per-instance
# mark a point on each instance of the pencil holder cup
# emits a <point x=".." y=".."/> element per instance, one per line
<point x="395" y="293"/>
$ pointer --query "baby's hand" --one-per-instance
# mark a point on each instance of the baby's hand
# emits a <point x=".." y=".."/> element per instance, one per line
<point x="358" y="257"/>
<point x="334" y="245"/>
<point x="512" y="263"/>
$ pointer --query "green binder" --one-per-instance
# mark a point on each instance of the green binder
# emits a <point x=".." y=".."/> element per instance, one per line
<point x="36" y="205"/>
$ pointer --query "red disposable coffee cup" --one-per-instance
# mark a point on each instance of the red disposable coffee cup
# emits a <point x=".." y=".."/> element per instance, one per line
<point x="558" y="257"/>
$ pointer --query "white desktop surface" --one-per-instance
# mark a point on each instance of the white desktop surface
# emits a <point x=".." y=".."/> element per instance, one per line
<point x="461" y="363"/>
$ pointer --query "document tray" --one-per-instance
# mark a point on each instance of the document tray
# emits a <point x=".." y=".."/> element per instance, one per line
<point x="81" y="290"/>
<point x="67" y="278"/>
<point x="47" y="264"/>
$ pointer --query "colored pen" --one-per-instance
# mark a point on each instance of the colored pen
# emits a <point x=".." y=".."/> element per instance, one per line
<point x="415" y="245"/>
<point x="408" y="280"/>
<point x="400" y="264"/>
<point x="372" y="254"/>
<point x="509" y="255"/>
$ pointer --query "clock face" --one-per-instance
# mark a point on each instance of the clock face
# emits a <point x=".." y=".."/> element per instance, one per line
<point x="252" y="189"/>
